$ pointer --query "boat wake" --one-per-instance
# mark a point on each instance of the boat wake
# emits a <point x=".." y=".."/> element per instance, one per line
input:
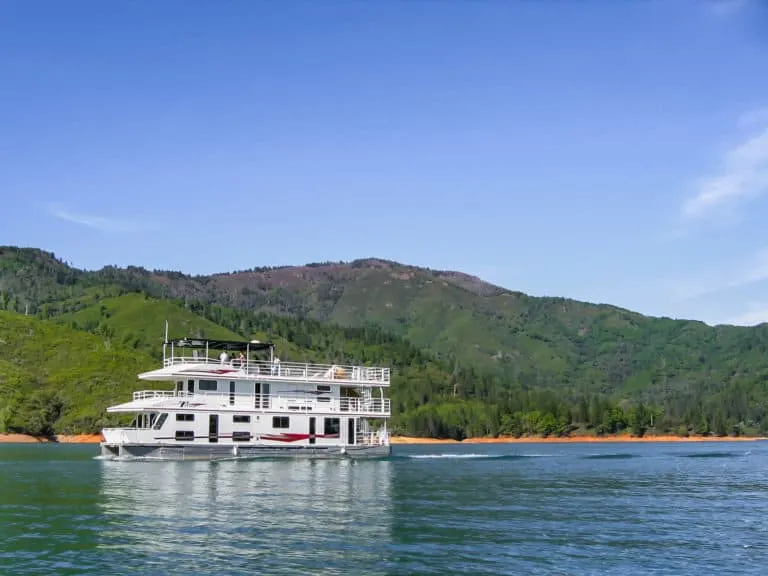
<point x="474" y="456"/>
<point x="716" y="454"/>
<point x="613" y="456"/>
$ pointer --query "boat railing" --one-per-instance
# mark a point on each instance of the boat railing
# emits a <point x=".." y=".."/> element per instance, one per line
<point x="147" y="394"/>
<point x="292" y="370"/>
<point x="272" y="402"/>
<point x="128" y="435"/>
<point x="379" y="438"/>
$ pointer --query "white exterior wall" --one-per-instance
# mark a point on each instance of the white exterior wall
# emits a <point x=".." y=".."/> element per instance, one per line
<point x="287" y="400"/>
<point x="260" y="427"/>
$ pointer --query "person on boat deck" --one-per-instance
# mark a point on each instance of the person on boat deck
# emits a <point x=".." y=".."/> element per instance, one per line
<point x="276" y="366"/>
<point x="241" y="359"/>
<point x="224" y="357"/>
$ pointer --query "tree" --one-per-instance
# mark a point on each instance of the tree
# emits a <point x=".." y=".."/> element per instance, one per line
<point x="638" y="419"/>
<point x="34" y="414"/>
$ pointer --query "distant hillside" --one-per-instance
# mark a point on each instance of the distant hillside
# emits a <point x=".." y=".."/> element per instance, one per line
<point x="505" y="347"/>
<point x="137" y="321"/>
<point x="452" y="313"/>
<point x="540" y="341"/>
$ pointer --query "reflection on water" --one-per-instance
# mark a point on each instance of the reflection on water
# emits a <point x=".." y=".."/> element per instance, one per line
<point x="271" y="515"/>
<point x="476" y="510"/>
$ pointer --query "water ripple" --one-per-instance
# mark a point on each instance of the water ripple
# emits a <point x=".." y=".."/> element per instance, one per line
<point x="556" y="509"/>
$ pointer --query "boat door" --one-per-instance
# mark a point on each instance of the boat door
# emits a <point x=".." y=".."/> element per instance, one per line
<point x="312" y="430"/>
<point x="213" y="428"/>
<point x="351" y="431"/>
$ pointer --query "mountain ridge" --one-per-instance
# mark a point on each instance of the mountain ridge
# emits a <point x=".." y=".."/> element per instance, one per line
<point x="471" y="282"/>
<point x="453" y="313"/>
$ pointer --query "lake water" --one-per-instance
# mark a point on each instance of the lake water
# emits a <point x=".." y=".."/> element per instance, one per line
<point x="456" y="509"/>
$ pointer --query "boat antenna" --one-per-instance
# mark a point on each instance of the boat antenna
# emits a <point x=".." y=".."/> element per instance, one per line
<point x="165" y="342"/>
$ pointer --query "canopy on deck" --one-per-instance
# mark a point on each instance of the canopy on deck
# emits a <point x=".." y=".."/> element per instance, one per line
<point x="230" y="345"/>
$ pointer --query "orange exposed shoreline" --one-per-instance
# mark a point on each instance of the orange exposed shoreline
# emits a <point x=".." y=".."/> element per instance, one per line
<point x="61" y="438"/>
<point x="96" y="438"/>
<point x="574" y="439"/>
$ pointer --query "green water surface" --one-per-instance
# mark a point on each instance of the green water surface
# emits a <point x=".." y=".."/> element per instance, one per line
<point x="464" y="509"/>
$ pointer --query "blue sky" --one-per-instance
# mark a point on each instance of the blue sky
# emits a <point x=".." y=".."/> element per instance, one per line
<point x="605" y="151"/>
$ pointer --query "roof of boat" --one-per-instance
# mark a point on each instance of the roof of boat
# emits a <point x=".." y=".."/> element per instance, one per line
<point x="231" y="345"/>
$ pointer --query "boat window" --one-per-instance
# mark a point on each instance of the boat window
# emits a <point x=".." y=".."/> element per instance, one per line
<point x="280" y="422"/>
<point x="185" y="417"/>
<point x="332" y="427"/>
<point x="241" y="436"/>
<point x="242" y="418"/>
<point x="207" y="385"/>
<point x="265" y="395"/>
<point x="160" y="421"/>
<point x="323" y="388"/>
<point x="185" y="435"/>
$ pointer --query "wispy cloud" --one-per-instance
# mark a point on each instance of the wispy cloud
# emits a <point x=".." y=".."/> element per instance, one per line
<point x="102" y="223"/>
<point x="744" y="175"/>
<point x="750" y="271"/>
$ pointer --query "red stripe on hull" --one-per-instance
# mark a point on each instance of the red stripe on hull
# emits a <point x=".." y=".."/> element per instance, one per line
<point x="285" y="437"/>
<point x="294" y="437"/>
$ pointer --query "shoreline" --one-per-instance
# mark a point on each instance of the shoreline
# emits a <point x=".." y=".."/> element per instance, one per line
<point x="573" y="439"/>
<point x="58" y="439"/>
<point x="97" y="438"/>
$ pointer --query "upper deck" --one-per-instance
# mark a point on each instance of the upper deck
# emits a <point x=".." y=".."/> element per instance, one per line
<point x="265" y="371"/>
<point x="201" y="364"/>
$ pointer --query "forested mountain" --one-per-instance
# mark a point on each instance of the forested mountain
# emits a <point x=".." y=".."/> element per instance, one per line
<point x="469" y="357"/>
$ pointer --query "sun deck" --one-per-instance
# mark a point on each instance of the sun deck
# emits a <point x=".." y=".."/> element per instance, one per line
<point x="270" y="371"/>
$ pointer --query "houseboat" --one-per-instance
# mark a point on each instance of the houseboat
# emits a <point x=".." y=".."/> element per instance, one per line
<point x="233" y="400"/>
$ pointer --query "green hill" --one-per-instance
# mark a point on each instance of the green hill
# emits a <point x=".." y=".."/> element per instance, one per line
<point x="527" y="364"/>
<point x="542" y="342"/>
<point x="137" y="321"/>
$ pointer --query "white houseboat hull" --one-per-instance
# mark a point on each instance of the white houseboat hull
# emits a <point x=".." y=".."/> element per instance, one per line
<point x="225" y="452"/>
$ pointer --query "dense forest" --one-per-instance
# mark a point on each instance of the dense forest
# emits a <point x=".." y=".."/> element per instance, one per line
<point x="562" y="367"/>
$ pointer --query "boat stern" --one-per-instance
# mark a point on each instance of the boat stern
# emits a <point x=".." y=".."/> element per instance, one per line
<point x="109" y="451"/>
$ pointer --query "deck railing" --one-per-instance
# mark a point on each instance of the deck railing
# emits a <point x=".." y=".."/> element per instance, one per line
<point x="293" y="370"/>
<point x="126" y="435"/>
<point x="273" y="402"/>
<point x="145" y="394"/>
<point x="372" y="438"/>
